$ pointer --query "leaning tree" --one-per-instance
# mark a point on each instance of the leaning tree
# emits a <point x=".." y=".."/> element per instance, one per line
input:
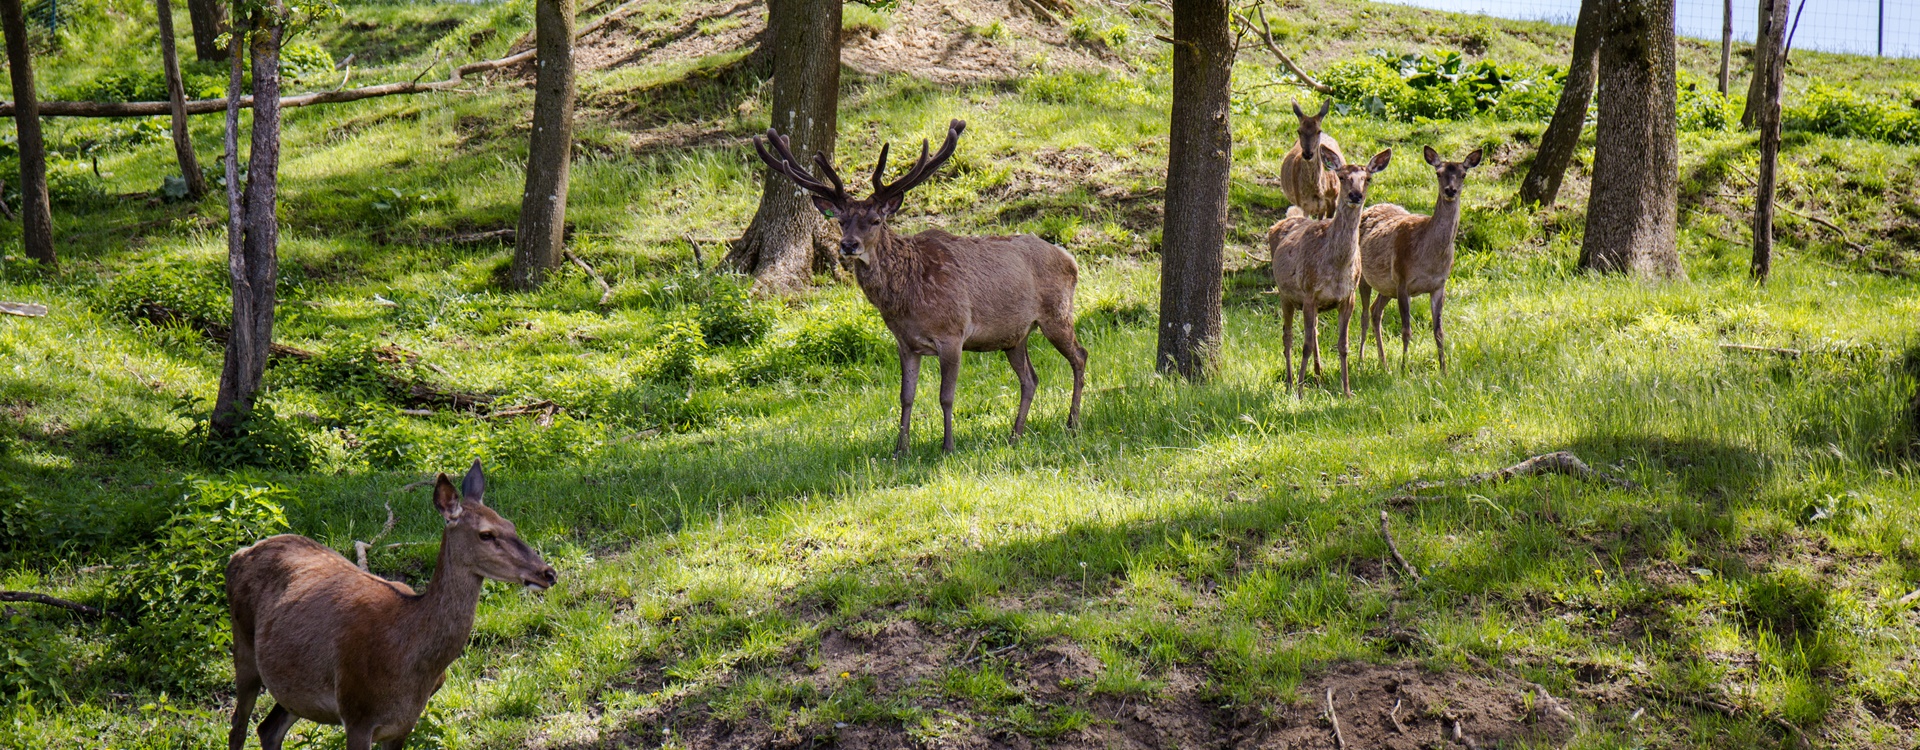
<point x="1771" y="39"/>
<point x="1199" y="158"/>
<point x="1633" y="211"/>
<point x="788" y="238"/>
<point x="177" y="99"/>
<point x="540" y="241"/>
<point x="1562" y="136"/>
<point x="36" y="214"/>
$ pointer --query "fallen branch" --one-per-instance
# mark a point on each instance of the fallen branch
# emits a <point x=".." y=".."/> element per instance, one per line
<point x="1339" y="737"/>
<point x="1266" y="39"/>
<point x="411" y="486"/>
<point x="1557" y="462"/>
<point x="23" y="309"/>
<point x="1387" y="531"/>
<point x="544" y="411"/>
<point x="75" y="607"/>
<point x="1552" y="702"/>
<point x="699" y="263"/>
<point x="475" y="238"/>
<point x="1761" y="349"/>
<point x="1799" y="738"/>
<point x="360" y="548"/>
<point x="606" y="292"/>
<point x="1909" y="598"/>
<point x="1393" y="717"/>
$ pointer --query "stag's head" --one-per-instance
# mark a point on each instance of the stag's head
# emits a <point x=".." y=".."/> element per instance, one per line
<point x="479" y="537"/>
<point x="1452" y="175"/>
<point x="1354" y="178"/>
<point x="860" y="220"/>
<point x="1310" y="130"/>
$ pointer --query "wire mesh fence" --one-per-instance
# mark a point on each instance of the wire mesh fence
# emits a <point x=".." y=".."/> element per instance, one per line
<point x="1889" y="28"/>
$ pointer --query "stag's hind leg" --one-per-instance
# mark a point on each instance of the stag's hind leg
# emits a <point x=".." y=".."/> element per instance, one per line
<point x="1029" y="381"/>
<point x="909" y="384"/>
<point x="949" y="383"/>
<point x="1059" y="332"/>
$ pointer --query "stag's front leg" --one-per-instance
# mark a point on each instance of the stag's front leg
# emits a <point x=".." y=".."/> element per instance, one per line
<point x="949" y="382"/>
<point x="909" y="383"/>
<point x="1346" y="316"/>
<point x="1029" y="381"/>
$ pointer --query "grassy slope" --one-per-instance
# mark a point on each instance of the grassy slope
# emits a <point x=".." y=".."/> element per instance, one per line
<point x="1221" y="529"/>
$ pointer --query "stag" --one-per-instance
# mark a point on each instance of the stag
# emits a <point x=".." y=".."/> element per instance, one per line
<point x="1316" y="265"/>
<point x="941" y="294"/>
<point x="335" y="644"/>
<point x="1306" y="179"/>
<point x="1406" y="254"/>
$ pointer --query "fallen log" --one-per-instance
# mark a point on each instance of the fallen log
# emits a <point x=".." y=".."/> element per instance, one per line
<point x="1557" y="462"/>
<point x="23" y="309"/>
<point x="36" y="598"/>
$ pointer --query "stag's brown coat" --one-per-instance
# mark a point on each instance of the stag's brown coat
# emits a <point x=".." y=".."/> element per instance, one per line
<point x="941" y="294"/>
<point x="1404" y="254"/>
<point x="1316" y="265"/>
<point x="337" y="645"/>
<point x="1304" y="177"/>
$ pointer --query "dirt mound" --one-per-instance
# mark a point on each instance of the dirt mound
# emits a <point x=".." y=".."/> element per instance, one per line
<point x="944" y="41"/>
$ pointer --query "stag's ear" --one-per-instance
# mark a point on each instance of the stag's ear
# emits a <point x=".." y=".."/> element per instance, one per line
<point x="446" y="498"/>
<point x="1379" y="161"/>
<point x="1473" y="159"/>
<point x="1325" y="105"/>
<point x="1433" y="157"/>
<point x="890" y="206"/>
<point x="826" y="206"/>
<point x="1297" y="112"/>
<point x="1331" y="158"/>
<point x="474" y="486"/>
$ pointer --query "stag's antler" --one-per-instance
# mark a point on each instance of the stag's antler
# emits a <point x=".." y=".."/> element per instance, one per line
<point x="922" y="169"/>
<point x="780" y="158"/>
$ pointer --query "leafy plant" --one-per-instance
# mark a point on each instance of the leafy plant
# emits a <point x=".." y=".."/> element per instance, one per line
<point x="674" y="354"/>
<point x="262" y="439"/>
<point x="1837" y="111"/>
<point x="169" y="289"/>
<point x="1441" y="85"/>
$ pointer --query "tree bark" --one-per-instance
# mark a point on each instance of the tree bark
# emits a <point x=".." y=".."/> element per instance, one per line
<point x="788" y="238"/>
<point x="541" y="238"/>
<point x="1633" y="212"/>
<point x="1562" y="136"/>
<point x="1726" y="43"/>
<point x="252" y="258"/>
<point x="1773" y="35"/>
<point x="1199" y="159"/>
<point x="1769" y="122"/>
<point x="36" y="213"/>
<point x="177" y="96"/>
<point x="209" y="19"/>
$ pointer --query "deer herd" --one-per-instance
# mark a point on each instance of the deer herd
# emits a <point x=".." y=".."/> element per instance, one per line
<point x="335" y="644"/>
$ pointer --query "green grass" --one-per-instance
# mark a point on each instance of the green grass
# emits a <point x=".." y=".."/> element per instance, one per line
<point x="1224" y="531"/>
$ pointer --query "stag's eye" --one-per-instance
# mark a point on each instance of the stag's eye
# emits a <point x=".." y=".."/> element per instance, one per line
<point x="486" y="536"/>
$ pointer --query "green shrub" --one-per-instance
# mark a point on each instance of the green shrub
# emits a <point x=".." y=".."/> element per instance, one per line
<point x="675" y="354"/>
<point x="828" y="339"/>
<point x="301" y="59"/>
<point x="1441" y="86"/>
<point x="174" y="591"/>
<point x="184" y="290"/>
<point x="1832" y="110"/>
<point x="262" y="439"/>
<point x="1701" y="105"/>
<point x="732" y="317"/>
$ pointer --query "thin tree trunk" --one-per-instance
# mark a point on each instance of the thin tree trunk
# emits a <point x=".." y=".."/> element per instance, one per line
<point x="1726" y="43"/>
<point x="1769" y="164"/>
<point x="788" y="239"/>
<point x="209" y="19"/>
<point x="1199" y="159"/>
<point x="177" y="94"/>
<point x="541" y="239"/>
<point x="256" y="264"/>
<point x="1562" y="136"/>
<point x="1633" y="212"/>
<point x="36" y="214"/>
<point x="1773" y="34"/>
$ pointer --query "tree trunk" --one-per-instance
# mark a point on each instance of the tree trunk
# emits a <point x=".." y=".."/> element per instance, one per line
<point x="177" y="94"/>
<point x="1769" y="121"/>
<point x="209" y="22"/>
<point x="252" y="259"/>
<point x="36" y="215"/>
<point x="1199" y="158"/>
<point x="1562" y="136"/>
<point x="541" y="238"/>
<point x="1773" y="34"/>
<point x="788" y="239"/>
<point x="1634" y="209"/>
<point x="1726" y="43"/>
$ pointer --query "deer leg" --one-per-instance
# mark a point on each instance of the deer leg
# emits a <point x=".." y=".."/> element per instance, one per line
<point x="360" y="737"/>
<point x="1346" y="316"/>
<point x="1029" y="380"/>
<point x="1313" y="321"/>
<point x="1060" y="334"/>
<point x="909" y="383"/>
<point x="397" y="743"/>
<point x="1310" y="348"/>
<point x="1366" y="301"/>
<point x="1406" y="325"/>
<point x="246" y="691"/>
<point x="949" y="382"/>
<point x="1286" y="340"/>
<point x="1374" y="313"/>
<point x="1435" y="302"/>
<point x="273" y="729"/>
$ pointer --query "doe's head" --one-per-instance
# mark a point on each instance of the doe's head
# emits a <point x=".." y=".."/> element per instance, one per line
<point x="1452" y="175"/>
<point x="860" y="220"/>
<point x="1354" y="178"/>
<point x="1310" y="130"/>
<point x="485" y="540"/>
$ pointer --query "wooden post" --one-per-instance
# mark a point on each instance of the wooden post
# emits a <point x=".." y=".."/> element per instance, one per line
<point x="1726" y="42"/>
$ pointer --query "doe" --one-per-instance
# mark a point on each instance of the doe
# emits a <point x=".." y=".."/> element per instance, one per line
<point x="941" y="294"/>
<point x="1307" y="180"/>
<point x="337" y="645"/>
<point x="1316" y="264"/>
<point x="1406" y="254"/>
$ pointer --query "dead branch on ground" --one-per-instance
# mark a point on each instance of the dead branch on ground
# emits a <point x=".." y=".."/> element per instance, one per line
<point x="1339" y="737"/>
<point x="74" y="607"/>
<point x="1557" y="462"/>
<point x="1386" y="531"/>
<point x="606" y="291"/>
<point x="360" y="548"/>
<point x="23" y="309"/>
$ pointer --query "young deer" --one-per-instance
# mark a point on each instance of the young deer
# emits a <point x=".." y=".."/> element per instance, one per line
<point x="941" y="294"/>
<point x="1408" y="254"/>
<point x="1302" y="177"/>
<point x="337" y="645"/>
<point x="1316" y="264"/>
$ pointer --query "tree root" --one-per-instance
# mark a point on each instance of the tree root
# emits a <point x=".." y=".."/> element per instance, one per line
<point x="606" y="291"/>
<point x="1557" y="462"/>
<point x="1386" y="531"/>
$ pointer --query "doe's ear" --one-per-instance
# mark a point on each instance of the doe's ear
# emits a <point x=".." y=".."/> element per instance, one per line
<point x="1297" y="111"/>
<point x="1473" y="159"/>
<point x="1325" y="106"/>
<point x="826" y="206"/>
<point x="1331" y="158"/>
<point x="1432" y="156"/>
<point x="474" y="486"/>
<point x="1380" y="161"/>
<point x="446" y="499"/>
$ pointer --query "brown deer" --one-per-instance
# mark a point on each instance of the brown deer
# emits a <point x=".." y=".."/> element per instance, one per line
<point x="1406" y="254"/>
<point x="1304" y="177"/>
<point x="337" y="645"/>
<point x="1316" y="264"/>
<point x="941" y="294"/>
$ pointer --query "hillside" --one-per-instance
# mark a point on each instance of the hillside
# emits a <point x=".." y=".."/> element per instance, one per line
<point x="744" y="565"/>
